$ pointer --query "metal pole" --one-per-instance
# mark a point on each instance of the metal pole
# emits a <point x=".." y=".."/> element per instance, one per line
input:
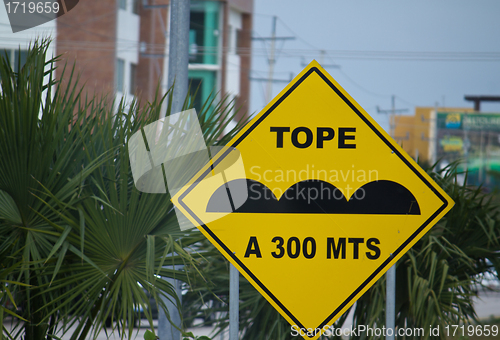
<point x="177" y="71"/>
<point x="390" y="302"/>
<point x="179" y="60"/>
<point x="172" y="42"/>
<point x="166" y="331"/>
<point x="322" y="57"/>
<point x="234" y="302"/>
<point x="178" y="52"/>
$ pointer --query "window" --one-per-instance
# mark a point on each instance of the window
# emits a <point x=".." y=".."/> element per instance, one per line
<point x="19" y="59"/>
<point x="238" y="41"/>
<point x="230" y="45"/>
<point x="196" y="35"/>
<point x="196" y="90"/>
<point x="202" y="83"/>
<point x="203" y="32"/>
<point x="119" y="74"/>
<point x="16" y="57"/>
<point x="133" y="74"/>
<point x="135" y="6"/>
<point x="193" y="47"/>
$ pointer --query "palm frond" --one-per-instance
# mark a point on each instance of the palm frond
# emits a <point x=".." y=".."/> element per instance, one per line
<point x="88" y="246"/>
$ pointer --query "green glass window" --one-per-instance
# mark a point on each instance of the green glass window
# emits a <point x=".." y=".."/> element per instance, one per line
<point x="203" y="84"/>
<point x="204" y="32"/>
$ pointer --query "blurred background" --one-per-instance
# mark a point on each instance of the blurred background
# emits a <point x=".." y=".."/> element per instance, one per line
<point x="427" y="71"/>
<point x="408" y="64"/>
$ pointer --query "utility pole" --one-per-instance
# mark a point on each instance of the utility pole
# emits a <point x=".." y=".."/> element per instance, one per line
<point x="272" y="57"/>
<point x="177" y="72"/>
<point x="321" y="60"/>
<point x="272" y="61"/>
<point x="274" y="80"/>
<point x="178" y="52"/>
<point x="234" y="302"/>
<point x="392" y="111"/>
<point x="390" y="276"/>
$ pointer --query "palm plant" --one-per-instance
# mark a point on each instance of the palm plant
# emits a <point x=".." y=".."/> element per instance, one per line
<point x="7" y="302"/>
<point x="90" y="245"/>
<point x="39" y="147"/>
<point x="436" y="280"/>
<point x="128" y="234"/>
<point x="439" y="277"/>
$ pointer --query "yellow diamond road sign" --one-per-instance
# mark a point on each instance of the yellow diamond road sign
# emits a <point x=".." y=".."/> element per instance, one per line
<point x="332" y="201"/>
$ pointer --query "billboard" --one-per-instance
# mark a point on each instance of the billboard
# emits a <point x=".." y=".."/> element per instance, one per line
<point x="474" y="139"/>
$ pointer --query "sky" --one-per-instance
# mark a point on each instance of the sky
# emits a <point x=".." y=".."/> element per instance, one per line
<point x="385" y="48"/>
<point x="382" y="48"/>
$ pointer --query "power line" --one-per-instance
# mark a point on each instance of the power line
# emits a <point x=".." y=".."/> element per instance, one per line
<point x="392" y="111"/>
<point x="322" y="61"/>
<point x="406" y="101"/>
<point x="294" y="53"/>
<point x="272" y="58"/>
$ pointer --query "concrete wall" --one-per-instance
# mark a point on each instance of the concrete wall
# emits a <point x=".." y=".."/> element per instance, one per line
<point x="127" y="35"/>
<point x="235" y="24"/>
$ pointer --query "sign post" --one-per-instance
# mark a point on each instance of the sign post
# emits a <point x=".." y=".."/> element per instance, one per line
<point x="331" y="202"/>
<point x="390" y="302"/>
<point x="234" y="303"/>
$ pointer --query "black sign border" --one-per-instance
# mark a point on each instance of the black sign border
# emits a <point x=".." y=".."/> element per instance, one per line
<point x="380" y="135"/>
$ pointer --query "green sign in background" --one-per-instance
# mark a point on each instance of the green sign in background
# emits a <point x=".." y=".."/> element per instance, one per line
<point x="474" y="139"/>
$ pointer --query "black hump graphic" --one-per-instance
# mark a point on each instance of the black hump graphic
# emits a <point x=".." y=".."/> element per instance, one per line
<point x="316" y="197"/>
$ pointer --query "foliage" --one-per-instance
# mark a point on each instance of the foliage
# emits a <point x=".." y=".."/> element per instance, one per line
<point x="7" y="302"/>
<point x="190" y="335"/>
<point x="148" y="335"/>
<point x="436" y="280"/>
<point x="439" y="277"/>
<point x="85" y="243"/>
<point x="37" y="144"/>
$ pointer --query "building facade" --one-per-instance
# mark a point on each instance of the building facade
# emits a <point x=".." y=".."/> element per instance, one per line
<point x="447" y="135"/>
<point x="122" y="47"/>
<point x="417" y="133"/>
<point x="15" y="46"/>
<point x="219" y="53"/>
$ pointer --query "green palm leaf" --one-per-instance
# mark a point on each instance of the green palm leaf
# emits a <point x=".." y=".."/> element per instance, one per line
<point x="89" y="244"/>
<point x="40" y="149"/>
